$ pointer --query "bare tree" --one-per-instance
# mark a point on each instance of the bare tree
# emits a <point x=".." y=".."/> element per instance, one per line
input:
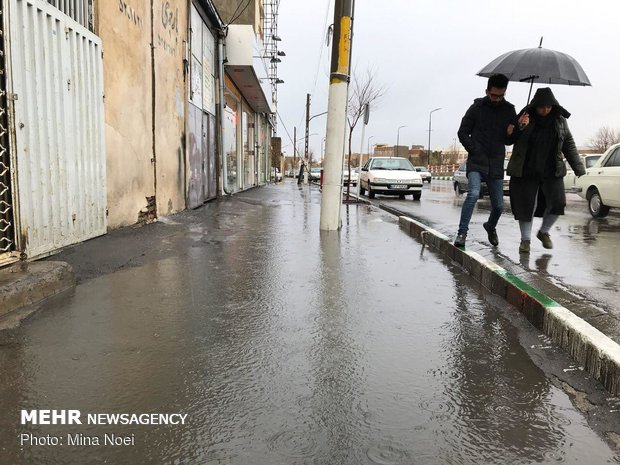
<point x="604" y="137"/>
<point x="363" y="90"/>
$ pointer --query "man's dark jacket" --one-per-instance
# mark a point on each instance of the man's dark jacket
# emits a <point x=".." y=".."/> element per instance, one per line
<point x="483" y="134"/>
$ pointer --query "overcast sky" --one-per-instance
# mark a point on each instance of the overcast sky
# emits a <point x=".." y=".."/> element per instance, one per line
<point x="427" y="53"/>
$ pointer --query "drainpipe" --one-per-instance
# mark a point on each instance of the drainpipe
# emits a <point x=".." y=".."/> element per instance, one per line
<point x="221" y="106"/>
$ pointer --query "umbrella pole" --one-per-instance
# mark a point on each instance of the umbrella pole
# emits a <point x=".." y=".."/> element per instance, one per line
<point x="530" y="92"/>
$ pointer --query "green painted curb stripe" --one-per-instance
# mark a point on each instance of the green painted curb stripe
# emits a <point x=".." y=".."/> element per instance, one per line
<point x="532" y="292"/>
<point x="529" y="290"/>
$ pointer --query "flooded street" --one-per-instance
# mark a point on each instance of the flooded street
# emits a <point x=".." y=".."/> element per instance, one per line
<point x="585" y="259"/>
<point x="283" y="345"/>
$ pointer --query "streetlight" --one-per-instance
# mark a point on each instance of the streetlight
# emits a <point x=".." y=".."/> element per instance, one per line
<point x="368" y="150"/>
<point x="308" y="119"/>
<point x="397" y="139"/>
<point x="428" y="158"/>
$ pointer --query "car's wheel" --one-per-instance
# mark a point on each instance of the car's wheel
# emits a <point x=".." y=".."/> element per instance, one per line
<point x="417" y="195"/>
<point x="595" y="204"/>
<point x="371" y="194"/>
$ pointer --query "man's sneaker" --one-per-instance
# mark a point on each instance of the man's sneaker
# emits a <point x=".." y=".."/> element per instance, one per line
<point x="545" y="239"/>
<point x="524" y="247"/>
<point x="492" y="234"/>
<point x="460" y="240"/>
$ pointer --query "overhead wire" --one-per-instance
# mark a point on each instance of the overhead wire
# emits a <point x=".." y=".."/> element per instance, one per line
<point x="241" y="12"/>
<point x="286" y="130"/>
<point x="318" y="67"/>
<point x="321" y="46"/>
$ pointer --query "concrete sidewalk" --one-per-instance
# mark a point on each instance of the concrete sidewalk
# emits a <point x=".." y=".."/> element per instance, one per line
<point x="24" y="284"/>
<point x="541" y="303"/>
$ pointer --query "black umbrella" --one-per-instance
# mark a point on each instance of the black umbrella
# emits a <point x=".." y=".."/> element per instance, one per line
<point x="537" y="65"/>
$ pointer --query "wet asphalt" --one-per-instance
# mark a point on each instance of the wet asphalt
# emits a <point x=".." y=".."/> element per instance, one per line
<point x="581" y="272"/>
<point x="286" y="345"/>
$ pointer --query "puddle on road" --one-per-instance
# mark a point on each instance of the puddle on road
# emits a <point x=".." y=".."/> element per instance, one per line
<point x="349" y="348"/>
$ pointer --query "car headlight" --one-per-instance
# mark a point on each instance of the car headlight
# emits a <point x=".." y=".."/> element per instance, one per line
<point x="379" y="180"/>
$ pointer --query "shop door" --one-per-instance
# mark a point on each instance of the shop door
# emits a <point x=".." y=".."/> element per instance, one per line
<point x="7" y="210"/>
<point x="55" y="79"/>
<point x="202" y="156"/>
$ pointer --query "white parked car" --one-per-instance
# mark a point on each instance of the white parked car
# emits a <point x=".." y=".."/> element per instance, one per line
<point x="570" y="178"/>
<point x="506" y="178"/>
<point x="425" y="173"/>
<point x="460" y="181"/>
<point x="390" y="176"/>
<point x="600" y="186"/>
<point x="345" y="176"/>
<point x="315" y="173"/>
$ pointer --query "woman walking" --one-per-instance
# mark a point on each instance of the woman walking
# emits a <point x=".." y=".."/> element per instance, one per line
<point x="537" y="168"/>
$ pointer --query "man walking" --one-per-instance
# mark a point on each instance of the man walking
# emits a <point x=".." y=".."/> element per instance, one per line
<point x="486" y="128"/>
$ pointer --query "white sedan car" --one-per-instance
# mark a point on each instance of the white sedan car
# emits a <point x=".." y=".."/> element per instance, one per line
<point x="390" y="176"/>
<point x="345" y="176"/>
<point x="570" y="179"/>
<point x="600" y="186"/>
<point x="425" y="173"/>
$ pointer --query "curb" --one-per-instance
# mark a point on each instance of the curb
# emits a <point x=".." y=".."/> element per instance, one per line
<point x="598" y="354"/>
<point x="28" y="283"/>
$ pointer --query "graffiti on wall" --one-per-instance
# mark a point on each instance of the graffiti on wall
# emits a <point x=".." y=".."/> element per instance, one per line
<point x="169" y="39"/>
<point x="128" y="11"/>
<point x="170" y="19"/>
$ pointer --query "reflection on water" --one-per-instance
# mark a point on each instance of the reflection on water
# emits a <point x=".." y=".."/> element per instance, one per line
<point x="338" y="348"/>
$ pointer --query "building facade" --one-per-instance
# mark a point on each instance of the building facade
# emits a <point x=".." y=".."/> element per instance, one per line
<point x="117" y="112"/>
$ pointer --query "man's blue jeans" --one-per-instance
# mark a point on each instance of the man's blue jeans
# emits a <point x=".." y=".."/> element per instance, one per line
<point x="496" y="194"/>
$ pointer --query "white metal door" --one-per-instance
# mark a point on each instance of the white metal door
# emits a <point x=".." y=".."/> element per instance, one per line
<point x="7" y="210"/>
<point x="56" y="73"/>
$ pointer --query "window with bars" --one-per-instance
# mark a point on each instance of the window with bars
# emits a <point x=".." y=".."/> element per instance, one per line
<point x="79" y="10"/>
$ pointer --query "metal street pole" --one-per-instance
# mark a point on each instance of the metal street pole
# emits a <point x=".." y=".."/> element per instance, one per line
<point x="306" y="161"/>
<point x="398" y="140"/>
<point x="428" y="157"/>
<point x="306" y="147"/>
<point x="294" y="151"/>
<point x="331" y="200"/>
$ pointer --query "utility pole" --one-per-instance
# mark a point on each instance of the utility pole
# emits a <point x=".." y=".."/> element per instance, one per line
<point x="331" y="199"/>
<point x="294" y="151"/>
<point x="306" y="146"/>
